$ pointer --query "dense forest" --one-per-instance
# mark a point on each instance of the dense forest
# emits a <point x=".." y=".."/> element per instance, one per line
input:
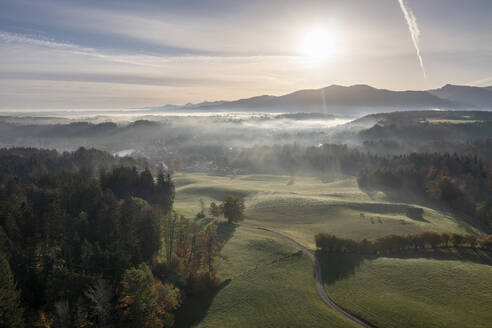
<point x="87" y="239"/>
<point x="429" y="131"/>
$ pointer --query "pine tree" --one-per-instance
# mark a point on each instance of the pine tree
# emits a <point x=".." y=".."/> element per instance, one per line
<point x="10" y="308"/>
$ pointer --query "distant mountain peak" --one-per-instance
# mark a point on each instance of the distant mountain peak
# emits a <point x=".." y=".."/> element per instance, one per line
<point x="357" y="98"/>
<point x="475" y="97"/>
<point x="362" y="86"/>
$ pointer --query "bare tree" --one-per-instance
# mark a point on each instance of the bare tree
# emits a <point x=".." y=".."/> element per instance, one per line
<point x="99" y="296"/>
<point x="62" y="310"/>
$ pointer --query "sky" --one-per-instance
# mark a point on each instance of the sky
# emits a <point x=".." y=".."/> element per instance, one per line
<point x="109" y="54"/>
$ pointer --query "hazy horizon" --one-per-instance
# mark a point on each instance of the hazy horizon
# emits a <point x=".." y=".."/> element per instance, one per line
<point x="123" y="55"/>
<point x="179" y="111"/>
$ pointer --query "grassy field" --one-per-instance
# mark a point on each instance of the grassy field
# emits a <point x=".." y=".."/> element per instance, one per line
<point x="270" y="287"/>
<point x="309" y="206"/>
<point x="442" y="290"/>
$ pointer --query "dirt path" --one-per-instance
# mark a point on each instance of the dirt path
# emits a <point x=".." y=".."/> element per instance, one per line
<point x="319" y="281"/>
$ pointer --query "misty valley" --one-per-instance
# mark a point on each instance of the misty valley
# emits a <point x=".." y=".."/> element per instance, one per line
<point x="244" y="164"/>
<point x="182" y="211"/>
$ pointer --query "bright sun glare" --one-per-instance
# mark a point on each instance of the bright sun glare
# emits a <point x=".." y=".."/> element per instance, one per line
<point x="319" y="44"/>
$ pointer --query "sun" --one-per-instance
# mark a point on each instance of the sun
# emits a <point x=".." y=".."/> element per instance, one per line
<point x="319" y="44"/>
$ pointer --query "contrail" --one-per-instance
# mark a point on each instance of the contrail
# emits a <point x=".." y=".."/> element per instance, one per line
<point x="414" y="32"/>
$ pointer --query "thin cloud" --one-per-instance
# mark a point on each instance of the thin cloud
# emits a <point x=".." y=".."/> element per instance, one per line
<point x="100" y="78"/>
<point x="26" y="40"/>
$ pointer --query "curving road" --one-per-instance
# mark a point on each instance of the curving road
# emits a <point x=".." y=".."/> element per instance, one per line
<point x="319" y="281"/>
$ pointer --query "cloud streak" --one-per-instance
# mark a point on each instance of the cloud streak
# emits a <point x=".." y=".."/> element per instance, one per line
<point x="40" y="72"/>
<point x="414" y="32"/>
<point x="136" y="78"/>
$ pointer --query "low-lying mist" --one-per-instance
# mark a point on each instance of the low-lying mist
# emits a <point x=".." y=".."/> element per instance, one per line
<point x="245" y="142"/>
<point x="119" y="131"/>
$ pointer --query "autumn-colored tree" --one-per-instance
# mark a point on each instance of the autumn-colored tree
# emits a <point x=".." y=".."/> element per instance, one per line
<point x="487" y="242"/>
<point x="168" y="300"/>
<point x="211" y="249"/>
<point x="44" y="321"/>
<point x="140" y="298"/>
<point x="399" y="243"/>
<point x="147" y="302"/>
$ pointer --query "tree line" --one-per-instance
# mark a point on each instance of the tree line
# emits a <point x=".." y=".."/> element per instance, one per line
<point x="462" y="183"/>
<point x="87" y="239"/>
<point x="399" y="243"/>
<point x="33" y="163"/>
<point x="294" y="159"/>
<point x="340" y="159"/>
<point x="426" y="131"/>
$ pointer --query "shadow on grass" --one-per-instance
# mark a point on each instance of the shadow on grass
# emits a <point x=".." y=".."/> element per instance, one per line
<point x="401" y="195"/>
<point x="203" y="221"/>
<point x="338" y="266"/>
<point x="195" y="308"/>
<point x="384" y="208"/>
<point x="419" y="199"/>
<point x="225" y="231"/>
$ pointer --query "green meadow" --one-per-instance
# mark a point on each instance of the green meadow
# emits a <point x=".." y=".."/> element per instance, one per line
<point x="308" y="206"/>
<point x="269" y="285"/>
<point x="423" y="290"/>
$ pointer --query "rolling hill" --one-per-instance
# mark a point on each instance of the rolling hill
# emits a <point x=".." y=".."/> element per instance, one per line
<point x="269" y="284"/>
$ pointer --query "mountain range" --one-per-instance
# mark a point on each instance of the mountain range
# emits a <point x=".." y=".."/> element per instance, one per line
<point x="356" y="99"/>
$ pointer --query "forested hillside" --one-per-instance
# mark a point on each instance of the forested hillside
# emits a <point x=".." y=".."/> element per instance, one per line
<point x="86" y="239"/>
<point x="462" y="183"/>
